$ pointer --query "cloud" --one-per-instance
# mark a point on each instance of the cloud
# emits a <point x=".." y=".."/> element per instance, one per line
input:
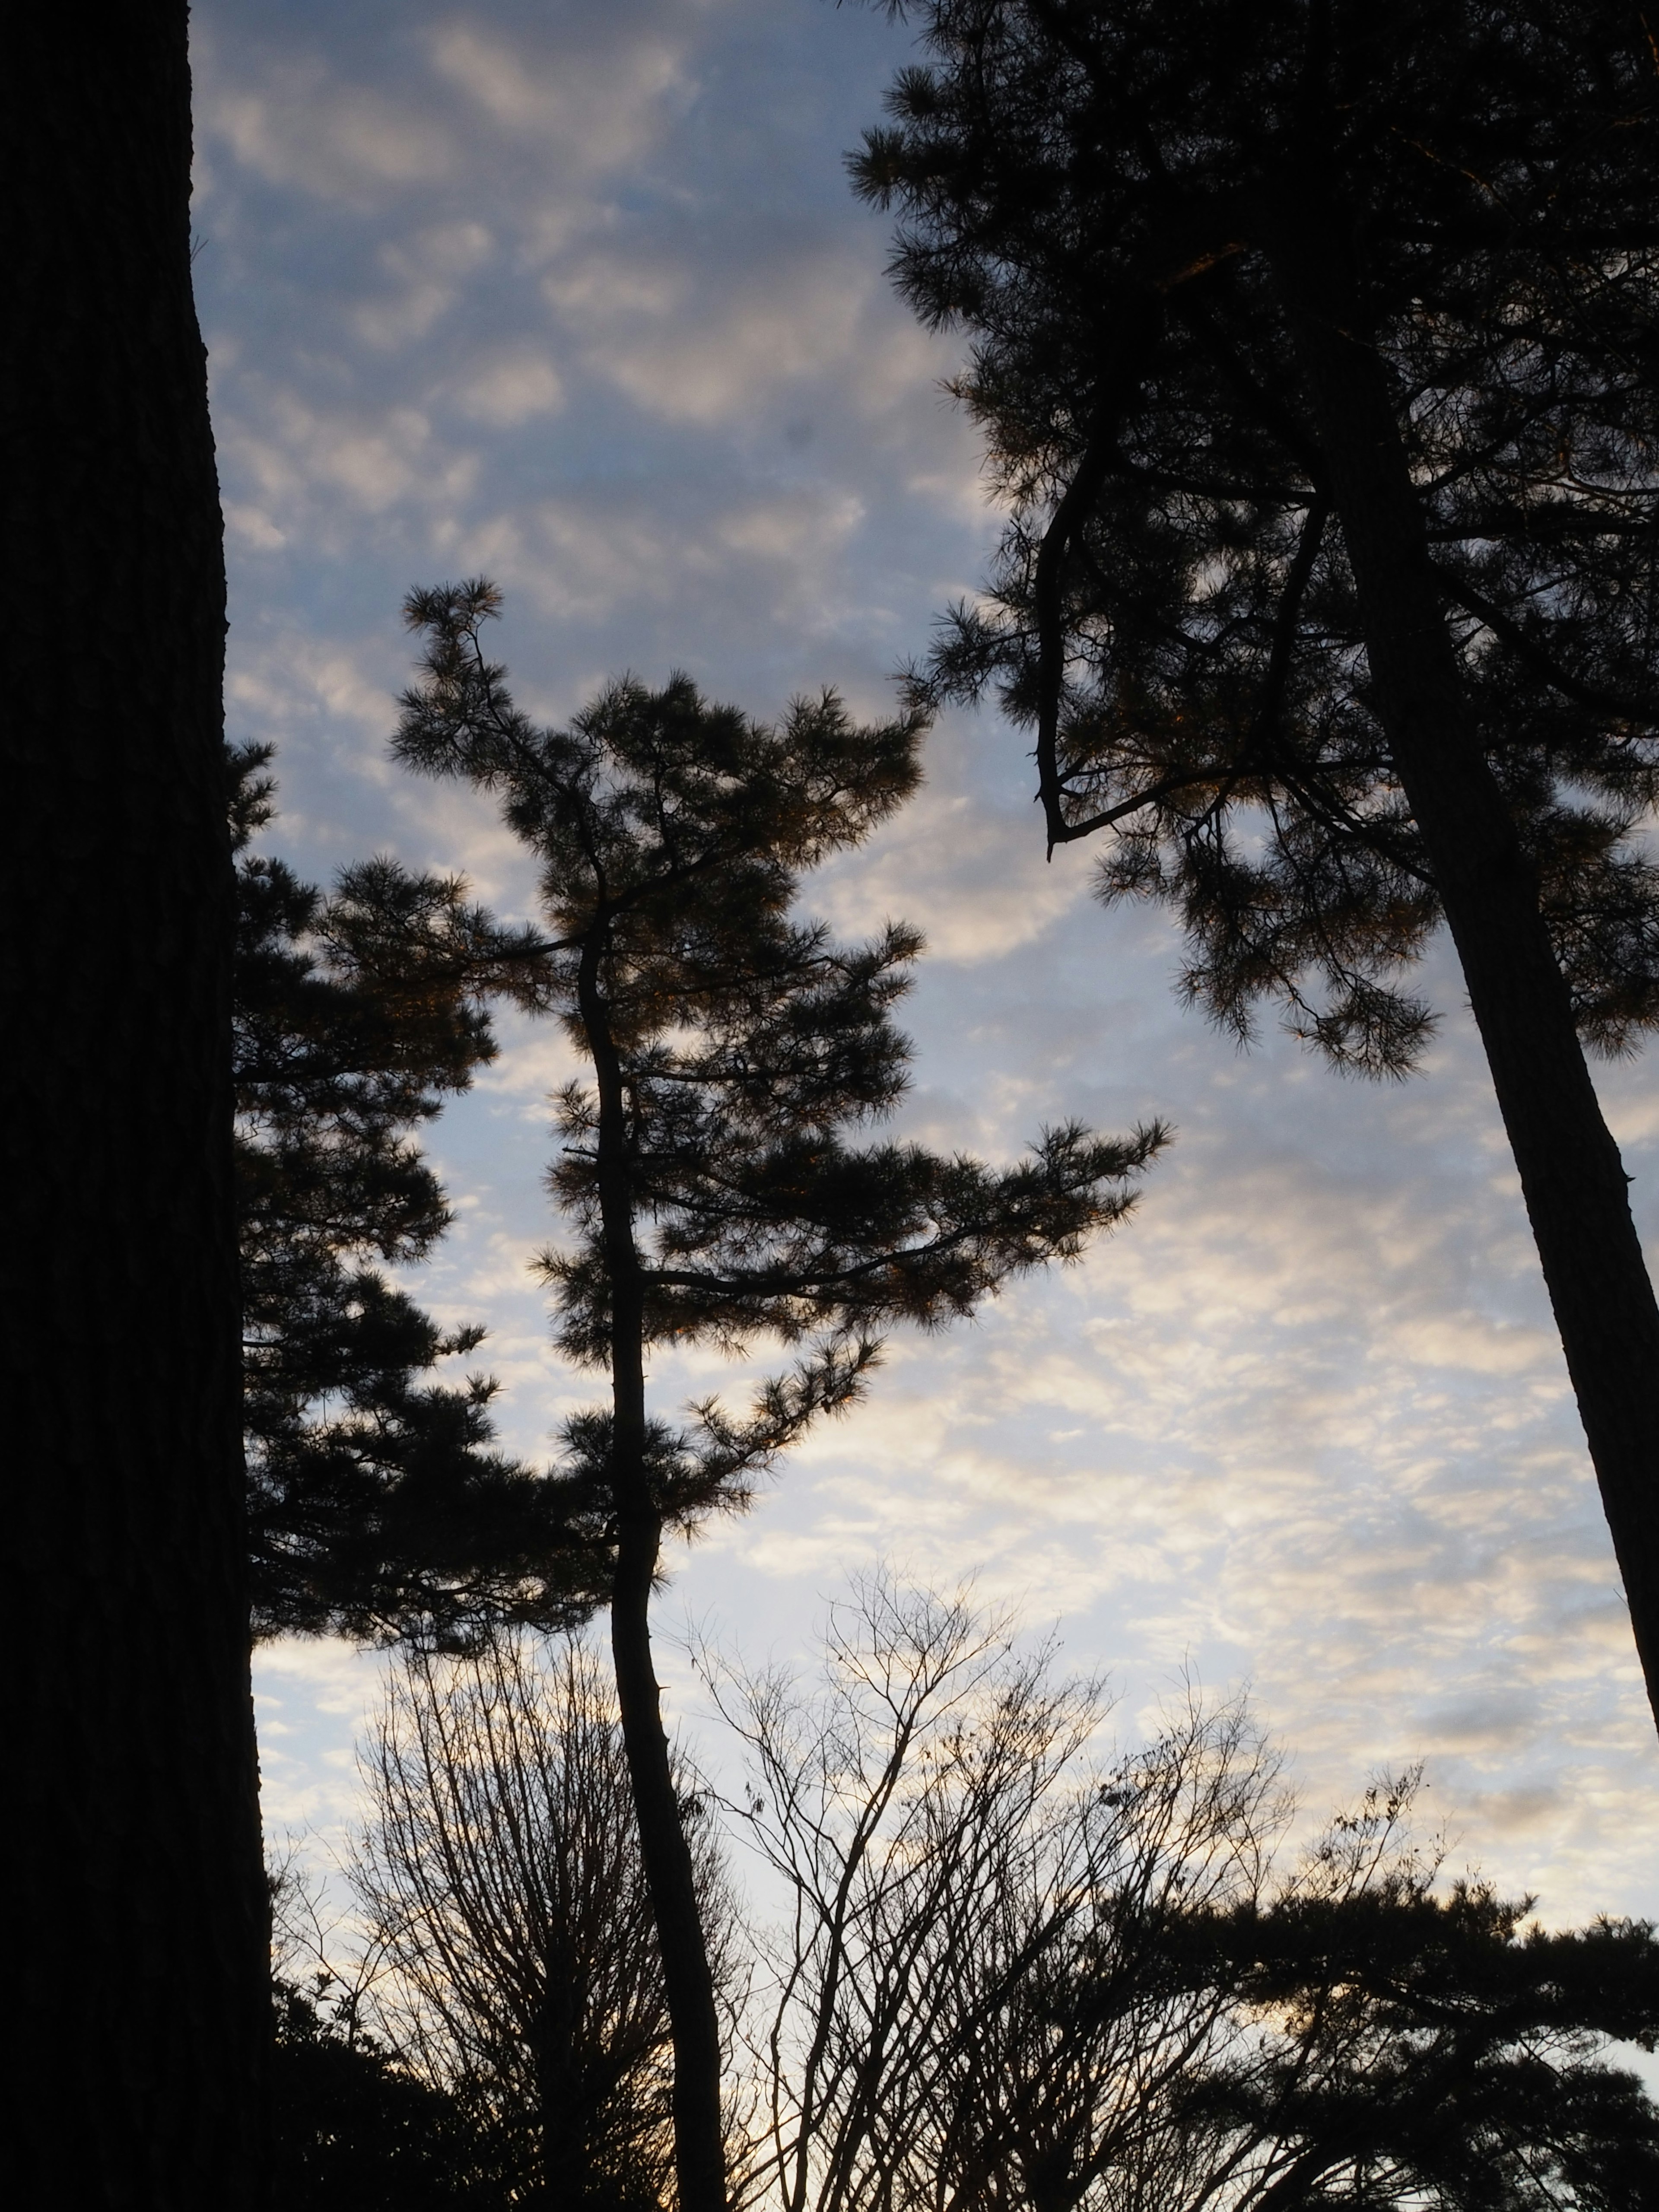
<point x="508" y="392"/>
<point x="429" y="268"/>
<point x="592" y="111"/>
<point x="810" y="326"/>
<point x="300" y="126"/>
<point x="577" y="298"/>
<point x="438" y="102"/>
<point x="691" y="354"/>
<point x="253" y="527"/>
<point x="313" y="469"/>
<point x="310" y="1699"/>
<point x="954" y="863"/>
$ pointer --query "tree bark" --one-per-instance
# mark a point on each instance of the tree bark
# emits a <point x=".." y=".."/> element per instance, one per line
<point x="1571" y="1176"/>
<point x="564" y="2166"/>
<point x="137" y="1949"/>
<point x="688" y="1982"/>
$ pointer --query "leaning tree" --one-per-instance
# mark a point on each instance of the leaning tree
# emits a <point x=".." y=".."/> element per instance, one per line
<point x="705" y="1168"/>
<point x="1314" y="346"/>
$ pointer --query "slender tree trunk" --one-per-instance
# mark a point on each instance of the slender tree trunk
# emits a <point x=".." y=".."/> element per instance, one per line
<point x="564" y="2168"/>
<point x="137" y="1950"/>
<point x="688" y="1982"/>
<point x="1571" y="1176"/>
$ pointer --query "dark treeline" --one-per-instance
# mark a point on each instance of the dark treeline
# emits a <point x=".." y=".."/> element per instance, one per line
<point x="997" y="1972"/>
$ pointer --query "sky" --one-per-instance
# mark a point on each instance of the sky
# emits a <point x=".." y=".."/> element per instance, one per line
<point x="575" y="295"/>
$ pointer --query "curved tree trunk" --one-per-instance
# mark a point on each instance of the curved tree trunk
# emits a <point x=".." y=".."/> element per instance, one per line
<point x="688" y="1982"/>
<point x="1571" y="1176"/>
<point x="136" y="1951"/>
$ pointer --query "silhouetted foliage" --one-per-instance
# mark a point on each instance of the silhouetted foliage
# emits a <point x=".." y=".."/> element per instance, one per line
<point x="376" y="1507"/>
<point x="355" y="2130"/>
<point x="1315" y="342"/>
<point x="1405" y="2047"/>
<point x="705" y="1170"/>
<point x="1493" y="221"/>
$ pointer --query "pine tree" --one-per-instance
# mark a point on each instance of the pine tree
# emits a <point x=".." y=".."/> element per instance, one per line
<point x="1402" y="2046"/>
<point x="705" y="1168"/>
<point x="376" y="1508"/>
<point x="1314" y="344"/>
<point x="133" y="1811"/>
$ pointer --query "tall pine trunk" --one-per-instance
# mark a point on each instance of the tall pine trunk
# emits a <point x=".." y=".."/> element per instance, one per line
<point x="136" y="1942"/>
<point x="1571" y="1176"/>
<point x="687" y="1981"/>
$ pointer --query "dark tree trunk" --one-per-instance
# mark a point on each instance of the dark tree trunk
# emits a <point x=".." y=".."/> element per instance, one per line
<point x="563" y="2167"/>
<point x="688" y="1983"/>
<point x="699" y="2149"/>
<point x="136" y="1940"/>
<point x="1571" y="1176"/>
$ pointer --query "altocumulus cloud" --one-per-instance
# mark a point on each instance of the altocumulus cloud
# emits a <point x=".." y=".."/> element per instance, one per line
<point x="578" y="297"/>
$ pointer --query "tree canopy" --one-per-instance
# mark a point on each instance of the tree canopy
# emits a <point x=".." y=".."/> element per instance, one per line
<point x="352" y="2126"/>
<point x="1313" y="346"/>
<point x="706" y="1170"/>
<point x="1394" y="2039"/>
<point x="377" y="1508"/>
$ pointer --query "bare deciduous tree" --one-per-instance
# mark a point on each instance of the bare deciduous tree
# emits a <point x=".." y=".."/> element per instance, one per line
<point x="500" y="1875"/>
<point x="955" y="1858"/>
<point x="1015" y="1979"/>
<point x="1011" y="1977"/>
